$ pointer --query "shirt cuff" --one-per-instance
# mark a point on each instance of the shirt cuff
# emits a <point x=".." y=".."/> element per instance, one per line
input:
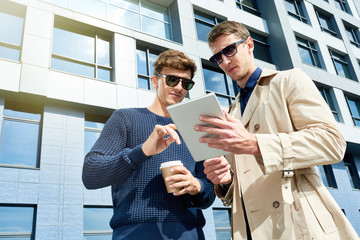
<point x="137" y="156"/>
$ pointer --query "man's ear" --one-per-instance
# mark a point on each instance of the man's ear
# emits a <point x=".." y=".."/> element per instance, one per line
<point x="250" y="43"/>
<point x="154" y="81"/>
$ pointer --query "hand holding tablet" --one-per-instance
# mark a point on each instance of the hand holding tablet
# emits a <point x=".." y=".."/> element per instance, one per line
<point x="186" y="115"/>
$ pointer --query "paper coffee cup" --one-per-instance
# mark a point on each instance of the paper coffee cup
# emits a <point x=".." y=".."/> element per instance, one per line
<point x="165" y="169"/>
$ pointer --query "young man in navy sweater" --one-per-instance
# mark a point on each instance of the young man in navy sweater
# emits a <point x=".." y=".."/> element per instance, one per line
<point x="128" y="154"/>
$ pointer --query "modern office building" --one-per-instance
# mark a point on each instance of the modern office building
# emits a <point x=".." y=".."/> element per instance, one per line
<point x="66" y="65"/>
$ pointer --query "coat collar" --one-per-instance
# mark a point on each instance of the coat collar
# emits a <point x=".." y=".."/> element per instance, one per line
<point x="253" y="101"/>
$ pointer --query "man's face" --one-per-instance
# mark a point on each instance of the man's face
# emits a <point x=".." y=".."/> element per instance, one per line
<point x="170" y="95"/>
<point x="240" y="66"/>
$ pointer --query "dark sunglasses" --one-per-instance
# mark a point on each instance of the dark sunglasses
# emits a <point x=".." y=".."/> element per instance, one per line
<point x="172" y="81"/>
<point x="228" y="51"/>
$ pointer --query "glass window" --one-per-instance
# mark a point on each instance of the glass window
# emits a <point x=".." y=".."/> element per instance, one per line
<point x="81" y="52"/>
<point x="248" y="6"/>
<point x="295" y="10"/>
<point x="204" y="23"/>
<point x="353" y="35"/>
<point x="24" y="121"/>
<point x="354" y="106"/>
<point x="93" y="127"/>
<point x="222" y="220"/>
<point x="96" y="222"/>
<point x="142" y="15"/>
<point x="11" y="23"/>
<point x="308" y="52"/>
<point x="326" y="23"/>
<point x="342" y="5"/>
<point x="325" y="93"/>
<point x="327" y="176"/>
<point x="352" y="171"/>
<point x="341" y="65"/>
<point x="261" y="48"/>
<point x="145" y="58"/>
<point x="218" y="82"/>
<point x="17" y="222"/>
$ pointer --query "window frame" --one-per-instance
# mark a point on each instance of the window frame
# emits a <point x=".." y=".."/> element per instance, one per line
<point x="148" y="50"/>
<point x="97" y="232"/>
<point x="354" y="33"/>
<point x="352" y="170"/>
<point x="223" y="229"/>
<point x="325" y="93"/>
<point x="357" y="103"/>
<point x="311" y="47"/>
<point x="338" y="58"/>
<point x="19" y="11"/>
<point x="230" y="98"/>
<point x="263" y="44"/>
<point x="216" y="20"/>
<point x="15" y="235"/>
<point x="24" y="108"/>
<point x="299" y="14"/>
<point x="328" y="175"/>
<point x="253" y="10"/>
<point x="343" y="6"/>
<point x="330" y="29"/>
<point x="79" y="28"/>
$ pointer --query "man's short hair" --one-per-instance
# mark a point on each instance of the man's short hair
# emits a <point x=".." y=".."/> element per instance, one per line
<point x="174" y="59"/>
<point x="228" y="28"/>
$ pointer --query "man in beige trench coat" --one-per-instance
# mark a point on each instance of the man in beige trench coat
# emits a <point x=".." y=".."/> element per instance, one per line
<point x="285" y="130"/>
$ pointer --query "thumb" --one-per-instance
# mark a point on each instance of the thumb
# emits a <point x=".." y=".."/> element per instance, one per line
<point x="229" y="118"/>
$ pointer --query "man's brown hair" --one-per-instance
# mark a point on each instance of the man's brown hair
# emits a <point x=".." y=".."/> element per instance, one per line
<point x="227" y="27"/>
<point x="174" y="59"/>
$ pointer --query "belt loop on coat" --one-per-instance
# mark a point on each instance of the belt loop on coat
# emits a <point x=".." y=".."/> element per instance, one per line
<point x="288" y="169"/>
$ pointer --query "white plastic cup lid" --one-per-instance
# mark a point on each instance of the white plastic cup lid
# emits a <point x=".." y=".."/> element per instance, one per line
<point x="171" y="163"/>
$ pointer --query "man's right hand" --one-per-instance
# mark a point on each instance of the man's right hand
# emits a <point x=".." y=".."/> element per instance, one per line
<point x="157" y="142"/>
<point x="217" y="170"/>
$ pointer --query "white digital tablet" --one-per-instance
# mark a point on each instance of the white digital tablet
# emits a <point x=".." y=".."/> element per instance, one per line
<point x="186" y="114"/>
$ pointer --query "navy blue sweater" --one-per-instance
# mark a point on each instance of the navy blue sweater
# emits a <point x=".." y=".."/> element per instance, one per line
<point x="138" y="189"/>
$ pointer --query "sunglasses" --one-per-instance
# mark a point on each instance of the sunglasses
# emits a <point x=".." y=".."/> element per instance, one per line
<point x="172" y="81"/>
<point x="228" y="51"/>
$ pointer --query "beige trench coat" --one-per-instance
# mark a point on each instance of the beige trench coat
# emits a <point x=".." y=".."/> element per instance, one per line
<point x="296" y="131"/>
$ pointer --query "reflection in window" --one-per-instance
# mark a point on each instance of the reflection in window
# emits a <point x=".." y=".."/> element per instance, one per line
<point x="17" y="222"/>
<point x="308" y="52"/>
<point x="204" y="23"/>
<point x="354" y="106"/>
<point x="20" y="120"/>
<point x="326" y="23"/>
<point x="325" y="93"/>
<point x="327" y="176"/>
<point x="93" y="127"/>
<point x="261" y="48"/>
<point x="78" y="51"/>
<point x="342" y="5"/>
<point x="340" y="64"/>
<point x="218" y="82"/>
<point x="295" y="10"/>
<point x="142" y="15"/>
<point x="352" y="171"/>
<point x="96" y="222"/>
<point x="353" y="35"/>
<point x="222" y="220"/>
<point x="145" y="58"/>
<point x="248" y="6"/>
<point x="11" y="28"/>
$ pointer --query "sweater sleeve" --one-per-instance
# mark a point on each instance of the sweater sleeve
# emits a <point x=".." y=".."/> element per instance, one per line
<point x="109" y="160"/>
<point x="206" y="196"/>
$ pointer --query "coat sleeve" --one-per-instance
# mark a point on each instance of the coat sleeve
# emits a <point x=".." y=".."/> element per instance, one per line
<point x="315" y="138"/>
<point x="110" y="161"/>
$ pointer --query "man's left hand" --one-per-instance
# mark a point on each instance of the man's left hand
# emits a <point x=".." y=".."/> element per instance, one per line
<point x="184" y="180"/>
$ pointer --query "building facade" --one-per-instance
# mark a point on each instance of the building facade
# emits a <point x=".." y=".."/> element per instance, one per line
<point x="66" y="65"/>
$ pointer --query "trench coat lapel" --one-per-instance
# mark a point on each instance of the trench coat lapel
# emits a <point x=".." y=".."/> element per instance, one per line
<point x="254" y="98"/>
